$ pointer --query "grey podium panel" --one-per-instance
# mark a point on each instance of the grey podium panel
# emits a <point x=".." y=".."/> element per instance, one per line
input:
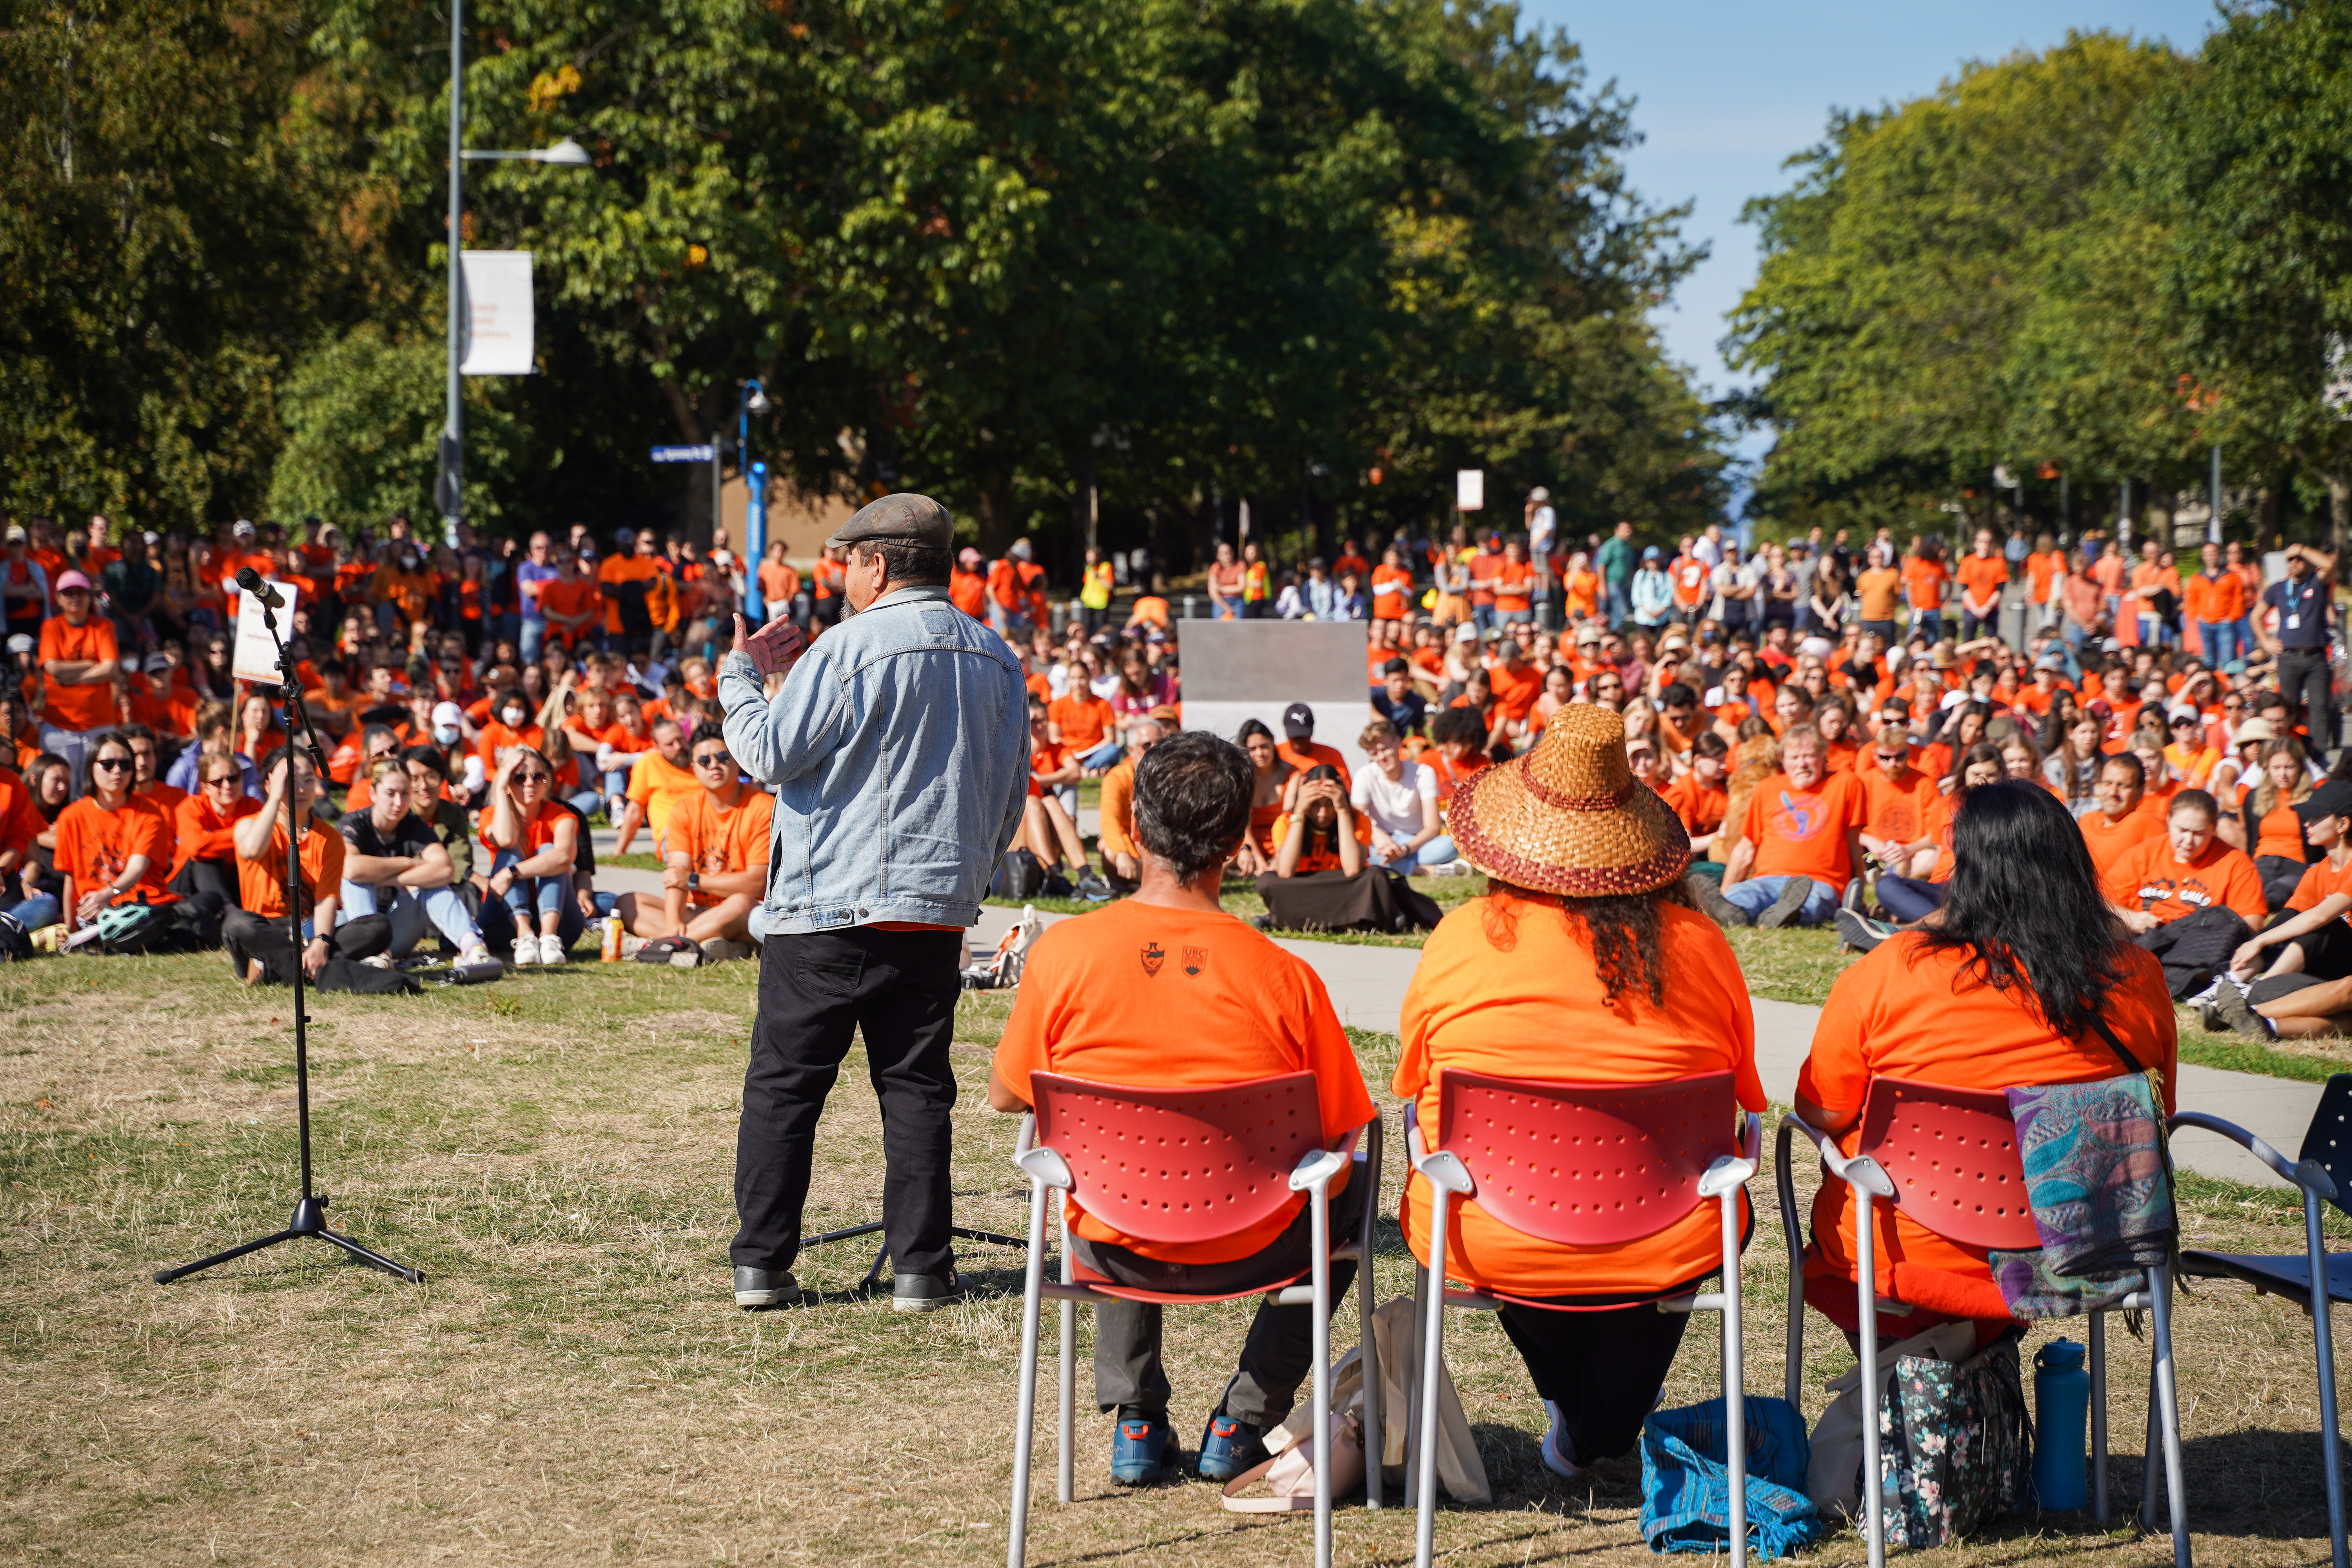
<point x="1276" y="662"/>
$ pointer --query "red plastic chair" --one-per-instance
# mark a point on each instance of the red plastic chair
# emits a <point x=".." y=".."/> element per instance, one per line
<point x="1179" y="1165"/>
<point x="1947" y="1159"/>
<point x="1584" y="1164"/>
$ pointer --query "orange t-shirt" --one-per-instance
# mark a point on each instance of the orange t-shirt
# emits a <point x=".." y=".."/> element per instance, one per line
<point x="722" y="839"/>
<point x="1499" y="986"/>
<point x="1101" y="998"/>
<point x="1318" y="860"/>
<point x="201" y="832"/>
<point x="1925" y="579"/>
<point x="94" y="844"/>
<point x="2147" y="878"/>
<point x="1875" y="590"/>
<point x="1981" y="576"/>
<point x="78" y="706"/>
<point x="2040" y="568"/>
<point x="261" y="884"/>
<point x="1304" y="754"/>
<point x="1083" y="718"/>
<point x="2317" y="883"/>
<point x="1514" y="585"/>
<point x="1700" y="804"/>
<point x="967" y="592"/>
<point x="661" y="787"/>
<point x="1514" y="690"/>
<point x="2108" y="841"/>
<point x="579" y="597"/>
<point x="2280" y="834"/>
<point x="1801" y="833"/>
<point x="1905" y="1012"/>
<point x="1900" y="810"/>
<point x="1391" y="585"/>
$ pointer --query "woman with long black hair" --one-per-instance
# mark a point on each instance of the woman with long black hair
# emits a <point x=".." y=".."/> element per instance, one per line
<point x="2025" y="978"/>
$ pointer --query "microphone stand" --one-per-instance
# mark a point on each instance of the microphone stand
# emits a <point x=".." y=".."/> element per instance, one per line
<point x="310" y="1212"/>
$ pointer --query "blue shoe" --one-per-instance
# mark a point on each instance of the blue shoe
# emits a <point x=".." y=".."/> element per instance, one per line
<point x="1229" y="1447"/>
<point x="1137" y="1446"/>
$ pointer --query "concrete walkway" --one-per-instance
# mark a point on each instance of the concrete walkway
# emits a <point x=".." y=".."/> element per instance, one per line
<point x="1367" y="985"/>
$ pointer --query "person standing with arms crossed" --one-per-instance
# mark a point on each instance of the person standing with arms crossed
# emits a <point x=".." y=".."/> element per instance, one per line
<point x="897" y="747"/>
<point x="2304" y="600"/>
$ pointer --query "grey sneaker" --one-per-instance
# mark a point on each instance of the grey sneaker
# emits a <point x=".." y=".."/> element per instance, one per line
<point x="1793" y="894"/>
<point x="1860" y="932"/>
<point x="1091" y="886"/>
<point x="756" y="1288"/>
<point x="719" y="949"/>
<point x="2229" y="1006"/>
<point x="1711" y="903"/>
<point x="925" y="1292"/>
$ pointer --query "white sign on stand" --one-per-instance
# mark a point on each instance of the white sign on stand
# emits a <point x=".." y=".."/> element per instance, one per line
<point x="1469" y="490"/>
<point x="254" y="658"/>
<point x="497" y="314"/>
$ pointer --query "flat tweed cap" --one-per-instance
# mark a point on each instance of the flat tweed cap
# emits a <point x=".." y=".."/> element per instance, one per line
<point x="908" y="518"/>
<point x="1569" y="817"/>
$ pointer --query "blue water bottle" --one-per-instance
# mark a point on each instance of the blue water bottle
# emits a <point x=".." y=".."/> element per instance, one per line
<point x="2062" y="1409"/>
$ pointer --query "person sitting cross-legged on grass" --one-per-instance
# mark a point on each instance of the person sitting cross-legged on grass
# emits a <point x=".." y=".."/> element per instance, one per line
<point x="1122" y="857"/>
<point x="1246" y="1009"/>
<point x="2306" y="988"/>
<point x="717" y="869"/>
<point x="254" y="934"/>
<point x="395" y="865"/>
<point x="1801" y="842"/>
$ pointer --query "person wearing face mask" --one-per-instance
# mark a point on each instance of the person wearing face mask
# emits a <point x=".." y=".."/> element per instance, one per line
<point x="510" y="726"/>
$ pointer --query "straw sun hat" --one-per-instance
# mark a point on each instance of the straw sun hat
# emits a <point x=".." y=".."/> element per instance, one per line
<point x="1569" y="817"/>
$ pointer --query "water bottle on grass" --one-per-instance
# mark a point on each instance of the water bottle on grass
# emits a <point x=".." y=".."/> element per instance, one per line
<point x="2062" y="1408"/>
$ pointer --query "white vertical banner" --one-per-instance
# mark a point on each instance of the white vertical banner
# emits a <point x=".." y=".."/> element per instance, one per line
<point x="497" y="312"/>
<point x="1469" y="490"/>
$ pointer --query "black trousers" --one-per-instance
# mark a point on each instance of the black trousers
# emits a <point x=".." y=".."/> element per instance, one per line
<point x="248" y="935"/>
<point x="1275" y="1358"/>
<point x="1602" y="1369"/>
<point x="2304" y="681"/>
<point x="2280" y="876"/>
<point x="899" y="989"/>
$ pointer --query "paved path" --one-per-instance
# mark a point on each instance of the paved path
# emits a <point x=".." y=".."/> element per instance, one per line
<point x="1368" y="985"/>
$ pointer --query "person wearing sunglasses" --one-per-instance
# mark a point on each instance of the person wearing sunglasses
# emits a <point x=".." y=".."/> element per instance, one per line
<point x="898" y="745"/>
<point x="535" y="841"/>
<point x="717" y="865"/>
<point x="203" y="841"/>
<point x="112" y="844"/>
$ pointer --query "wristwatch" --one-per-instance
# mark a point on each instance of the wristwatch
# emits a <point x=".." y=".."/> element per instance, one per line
<point x="694" y="881"/>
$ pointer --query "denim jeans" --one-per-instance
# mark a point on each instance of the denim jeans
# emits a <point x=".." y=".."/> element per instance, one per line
<point x="1436" y="852"/>
<point x="1758" y="894"/>
<point x="534" y="636"/>
<point x="1621" y="603"/>
<point x="412" y="911"/>
<point x="1102" y="756"/>
<point x="546" y="895"/>
<point x="1929" y="623"/>
<point x="2220" y="641"/>
<point x="40" y="909"/>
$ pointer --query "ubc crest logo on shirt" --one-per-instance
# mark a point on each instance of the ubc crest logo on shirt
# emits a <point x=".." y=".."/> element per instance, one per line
<point x="1154" y="955"/>
<point x="1800" y="816"/>
<point x="1196" y="958"/>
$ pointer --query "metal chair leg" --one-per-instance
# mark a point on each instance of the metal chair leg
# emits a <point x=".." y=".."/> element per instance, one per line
<point x="1368" y="1340"/>
<point x="1866" y="1288"/>
<point x="2098" y="1334"/>
<point x="1026" y="1426"/>
<point x="1319" y="1208"/>
<point x="1735" y="1399"/>
<point x="2151" y="1452"/>
<point x="2159" y="1281"/>
<point x="1065" y="1476"/>
<point x="2323" y="1342"/>
<point x="1784" y="1182"/>
<point x="1433" y="1355"/>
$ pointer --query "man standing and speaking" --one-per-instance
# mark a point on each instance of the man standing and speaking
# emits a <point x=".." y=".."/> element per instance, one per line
<point x="897" y="746"/>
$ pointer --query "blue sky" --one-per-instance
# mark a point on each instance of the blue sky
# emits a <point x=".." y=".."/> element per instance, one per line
<point x="1724" y="92"/>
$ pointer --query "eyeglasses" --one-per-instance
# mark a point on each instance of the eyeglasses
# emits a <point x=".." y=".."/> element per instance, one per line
<point x="713" y="760"/>
<point x="532" y="775"/>
<point x="111" y="764"/>
<point x="222" y="779"/>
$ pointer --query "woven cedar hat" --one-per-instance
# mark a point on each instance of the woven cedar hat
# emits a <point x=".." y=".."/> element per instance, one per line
<point x="1569" y="817"/>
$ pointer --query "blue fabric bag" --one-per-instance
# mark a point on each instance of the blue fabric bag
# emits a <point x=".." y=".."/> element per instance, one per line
<point x="1686" y="1488"/>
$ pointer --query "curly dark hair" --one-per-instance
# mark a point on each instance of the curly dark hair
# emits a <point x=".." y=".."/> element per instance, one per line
<point x="1621" y="928"/>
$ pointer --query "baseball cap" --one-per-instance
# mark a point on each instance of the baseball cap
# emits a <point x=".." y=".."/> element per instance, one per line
<point x="1952" y="699"/>
<point x="1650" y="552"/>
<point x="1588" y="633"/>
<point x="448" y="713"/>
<point x="1540" y="493"/>
<point x="625" y="536"/>
<point x="1466" y="632"/>
<point x="968" y="556"/>
<point x="68" y="582"/>
<point x="2333" y="798"/>
<point x="21" y="643"/>
<point x="1299" y="722"/>
<point x="241" y="529"/>
<point x="17" y="534"/>
<point x="157" y="664"/>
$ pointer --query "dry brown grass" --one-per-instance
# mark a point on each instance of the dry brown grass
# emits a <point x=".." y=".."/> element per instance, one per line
<point x="575" y="1383"/>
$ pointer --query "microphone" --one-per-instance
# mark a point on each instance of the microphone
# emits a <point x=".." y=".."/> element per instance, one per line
<point x="250" y="580"/>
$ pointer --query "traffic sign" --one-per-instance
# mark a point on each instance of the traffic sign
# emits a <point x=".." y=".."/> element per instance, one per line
<point x="685" y="454"/>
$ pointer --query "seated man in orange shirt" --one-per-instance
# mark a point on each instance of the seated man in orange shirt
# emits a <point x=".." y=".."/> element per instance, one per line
<point x="660" y="781"/>
<point x="2185" y="891"/>
<point x="1122" y="855"/>
<point x="716" y="870"/>
<point x="1699" y="797"/>
<point x="1246" y="1010"/>
<point x="1799" y="844"/>
<point x="1299" y="749"/>
<point x="2123" y="820"/>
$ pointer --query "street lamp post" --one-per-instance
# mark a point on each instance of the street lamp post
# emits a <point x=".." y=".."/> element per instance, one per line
<point x="566" y="153"/>
<point x="750" y="398"/>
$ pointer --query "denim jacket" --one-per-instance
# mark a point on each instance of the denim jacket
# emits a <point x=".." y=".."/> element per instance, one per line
<point x="898" y="750"/>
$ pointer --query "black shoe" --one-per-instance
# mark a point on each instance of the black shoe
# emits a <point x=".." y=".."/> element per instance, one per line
<point x="1262" y="922"/>
<point x="925" y="1292"/>
<point x="1861" y="932"/>
<point x="758" y="1289"/>
<point x="1793" y="894"/>
<point x="1711" y="903"/>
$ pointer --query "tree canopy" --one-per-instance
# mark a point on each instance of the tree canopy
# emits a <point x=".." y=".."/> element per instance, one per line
<point x="993" y="248"/>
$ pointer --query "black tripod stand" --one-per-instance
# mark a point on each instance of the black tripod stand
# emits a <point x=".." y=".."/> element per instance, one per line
<point x="310" y="1212"/>
<point x="874" y="1275"/>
